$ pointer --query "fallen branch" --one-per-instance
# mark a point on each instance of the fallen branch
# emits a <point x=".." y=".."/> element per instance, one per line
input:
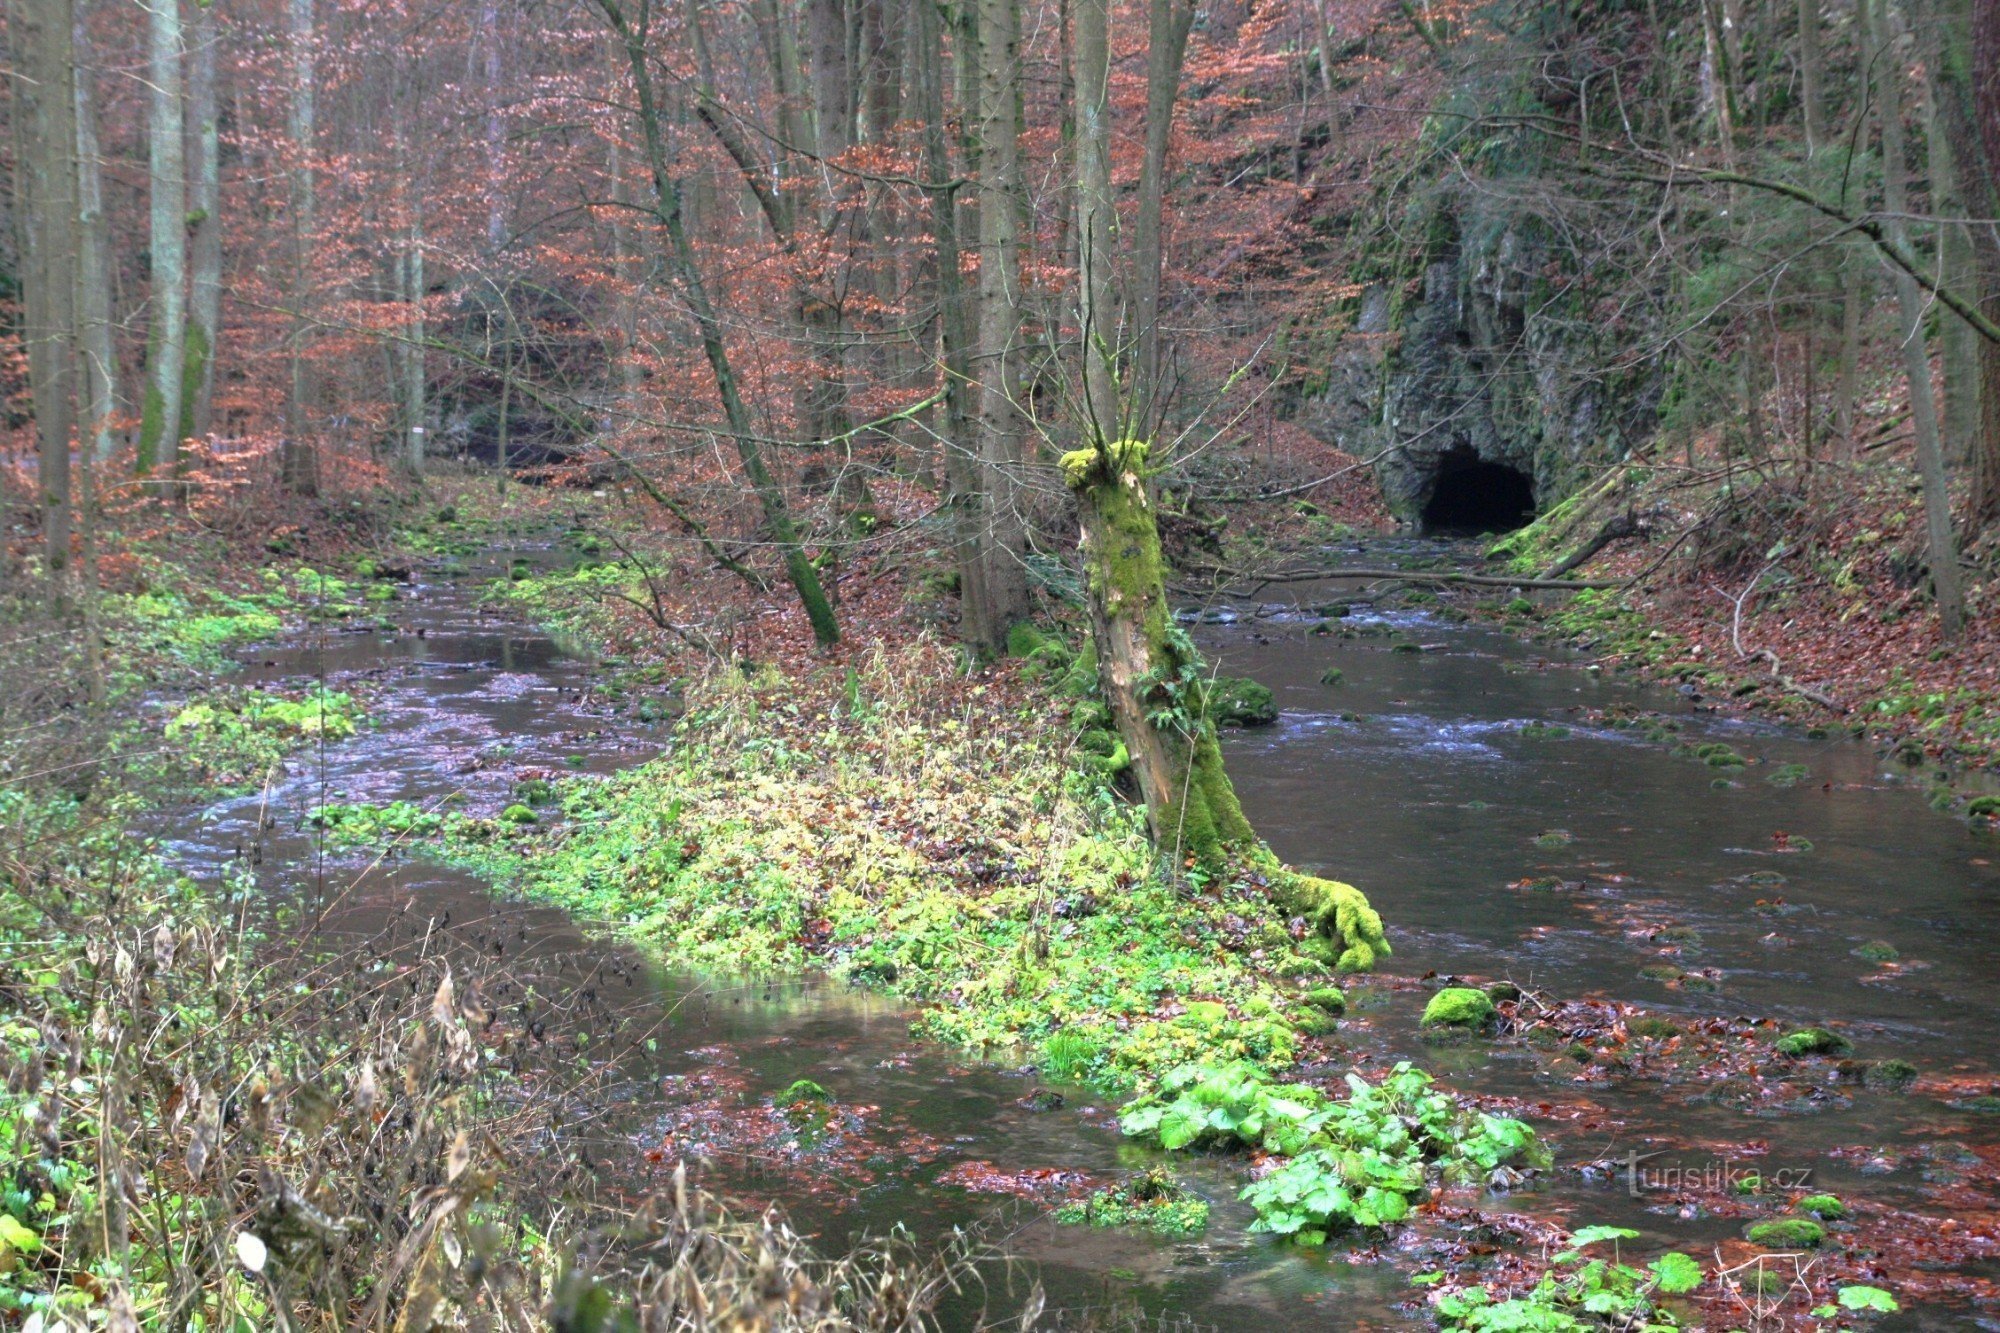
<point x="1743" y="654"/>
<point x="1616" y="528"/>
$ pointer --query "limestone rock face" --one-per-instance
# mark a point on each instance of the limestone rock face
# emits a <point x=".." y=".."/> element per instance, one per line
<point x="1479" y="381"/>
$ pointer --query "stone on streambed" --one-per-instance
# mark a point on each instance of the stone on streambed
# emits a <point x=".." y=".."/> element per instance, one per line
<point x="1813" y="1041"/>
<point x="1457" y="1009"/>
<point x="1786" y="1233"/>
<point x="1238" y="701"/>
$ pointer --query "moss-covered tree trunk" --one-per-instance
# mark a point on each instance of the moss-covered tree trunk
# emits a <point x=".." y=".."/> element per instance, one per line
<point x="1156" y="690"/>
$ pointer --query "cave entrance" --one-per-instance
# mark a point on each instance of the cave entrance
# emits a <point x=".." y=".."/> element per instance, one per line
<point x="1471" y="495"/>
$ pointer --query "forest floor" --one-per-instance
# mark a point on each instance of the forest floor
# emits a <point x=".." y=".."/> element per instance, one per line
<point x="1798" y="594"/>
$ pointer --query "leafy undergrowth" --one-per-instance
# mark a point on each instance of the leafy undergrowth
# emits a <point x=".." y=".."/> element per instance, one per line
<point x="1580" y="1290"/>
<point x="908" y="829"/>
<point x="1153" y="1201"/>
<point x="1360" y="1161"/>
<point x="234" y="736"/>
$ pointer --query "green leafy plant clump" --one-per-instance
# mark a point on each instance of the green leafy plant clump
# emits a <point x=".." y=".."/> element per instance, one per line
<point x="1154" y="1201"/>
<point x="1356" y="1162"/>
<point x="1581" y="1292"/>
<point x="235" y="736"/>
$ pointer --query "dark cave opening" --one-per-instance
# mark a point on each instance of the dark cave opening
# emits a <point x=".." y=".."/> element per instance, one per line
<point x="1471" y="495"/>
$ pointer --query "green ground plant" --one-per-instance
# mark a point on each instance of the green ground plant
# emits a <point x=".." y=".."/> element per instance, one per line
<point x="1359" y="1161"/>
<point x="916" y="834"/>
<point x="1581" y="1292"/>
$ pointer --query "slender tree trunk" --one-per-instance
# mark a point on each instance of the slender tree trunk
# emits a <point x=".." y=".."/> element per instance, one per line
<point x="1096" y="220"/>
<point x="205" y="249"/>
<point x="96" y="348"/>
<point x="1983" y="507"/>
<point x="1001" y="428"/>
<point x="298" y="461"/>
<point x="667" y="203"/>
<point x="1856" y="294"/>
<point x="166" y="173"/>
<point x="1969" y="101"/>
<point x="1156" y="688"/>
<point x="627" y="281"/>
<point x="496" y="130"/>
<point x="955" y="334"/>
<point x="42" y="33"/>
<point x="1812" y="74"/>
<point x="1941" y="540"/>
<point x="1956" y="267"/>
<point x="415" y="409"/>
<point x="1167" y="51"/>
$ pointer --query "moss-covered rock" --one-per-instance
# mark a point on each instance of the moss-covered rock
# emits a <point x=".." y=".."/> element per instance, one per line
<point x="518" y="814"/>
<point x="1813" y="1041"/>
<point x="1878" y="951"/>
<point x="1237" y="701"/>
<point x="803" y="1092"/>
<point x="1786" y="1233"/>
<point x="1889" y="1075"/>
<point x="1458" y="1007"/>
<point x="1339" y="915"/>
<point x="1329" y="998"/>
<point x="1825" y="1207"/>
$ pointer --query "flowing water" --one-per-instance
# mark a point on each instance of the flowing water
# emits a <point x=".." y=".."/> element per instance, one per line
<point x="1409" y="778"/>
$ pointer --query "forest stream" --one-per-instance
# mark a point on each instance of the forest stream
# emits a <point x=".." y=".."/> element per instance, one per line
<point x="1578" y="861"/>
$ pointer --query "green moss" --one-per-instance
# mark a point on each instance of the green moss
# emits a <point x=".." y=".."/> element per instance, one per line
<point x="1889" y="1075"/>
<point x="1813" y="1041"/>
<point x="1786" y="1233"/>
<point x="518" y="814"/>
<point x="1329" y="998"/>
<point x="1983" y="807"/>
<point x="1332" y="676"/>
<point x="1823" y="1206"/>
<point x="803" y="1092"/>
<point x="1458" y="1006"/>
<point x="1236" y="701"/>
<point x="1878" y="951"/>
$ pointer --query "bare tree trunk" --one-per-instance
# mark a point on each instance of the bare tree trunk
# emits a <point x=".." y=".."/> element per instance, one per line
<point x="1166" y="52"/>
<point x="415" y="409"/>
<point x="1969" y="102"/>
<point x="1983" y="146"/>
<point x="1812" y="74"/>
<point x="1156" y="689"/>
<point x="496" y="130"/>
<point x="1956" y="267"/>
<point x="954" y="328"/>
<point x="44" y="120"/>
<point x="298" y="462"/>
<point x="166" y="174"/>
<point x="96" y="347"/>
<point x="784" y="534"/>
<point x="205" y="251"/>
<point x="621" y="266"/>
<point x="1096" y="220"/>
<point x="1856" y="294"/>
<point x="1002" y="432"/>
<point x="1942" y="542"/>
